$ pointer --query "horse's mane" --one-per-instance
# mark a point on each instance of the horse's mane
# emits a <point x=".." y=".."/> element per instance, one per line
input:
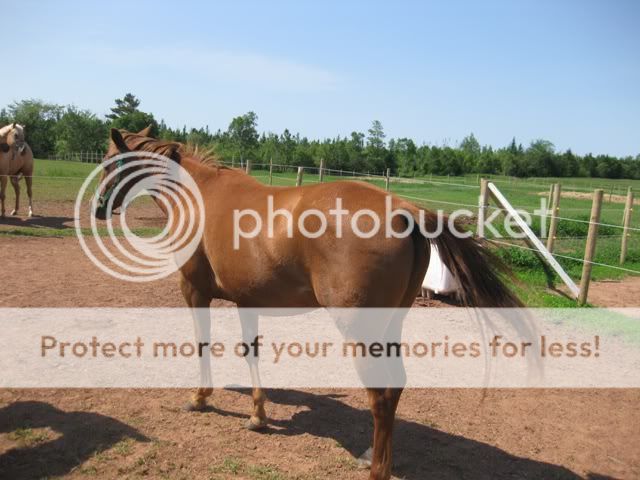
<point x="4" y="131"/>
<point x="169" y="148"/>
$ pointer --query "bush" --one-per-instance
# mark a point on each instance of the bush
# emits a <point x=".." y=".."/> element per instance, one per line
<point x="517" y="257"/>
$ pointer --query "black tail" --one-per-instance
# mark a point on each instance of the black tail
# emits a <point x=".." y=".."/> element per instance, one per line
<point x="480" y="273"/>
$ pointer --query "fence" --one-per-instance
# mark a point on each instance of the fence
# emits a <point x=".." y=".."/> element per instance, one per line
<point x="83" y="157"/>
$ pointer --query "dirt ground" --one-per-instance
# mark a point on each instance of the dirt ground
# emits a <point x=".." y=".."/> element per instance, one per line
<point x="314" y="434"/>
<point x="589" y="195"/>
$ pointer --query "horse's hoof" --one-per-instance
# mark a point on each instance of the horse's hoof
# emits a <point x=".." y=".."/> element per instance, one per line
<point x="30" y="214"/>
<point x="364" y="461"/>
<point x="13" y="213"/>
<point x="255" y="424"/>
<point x="192" y="407"/>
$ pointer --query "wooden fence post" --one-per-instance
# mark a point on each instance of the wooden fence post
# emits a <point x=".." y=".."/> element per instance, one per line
<point x="483" y="203"/>
<point x="321" y="171"/>
<point x="626" y="222"/>
<point x="555" y="211"/>
<point x="271" y="171"/>
<point x="299" y="177"/>
<point x="550" y="198"/>
<point x="248" y="167"/>
<point x="386" y="180"/>
<point x="590" y="249"/>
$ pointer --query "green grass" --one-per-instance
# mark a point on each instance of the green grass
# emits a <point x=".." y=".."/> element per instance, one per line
<point x="71" y="232"/>
<point x="231" y="466"/>
<point x="27" y="437"/>
<point x="62" y="168"/>
<point x="124" y="447"/>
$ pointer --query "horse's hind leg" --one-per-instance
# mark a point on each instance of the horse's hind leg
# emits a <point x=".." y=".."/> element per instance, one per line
<point x="249" y="323"/>
<point x="15" y="182"/>
<point x="28" y="179"/>
<point x="383" y="403"/>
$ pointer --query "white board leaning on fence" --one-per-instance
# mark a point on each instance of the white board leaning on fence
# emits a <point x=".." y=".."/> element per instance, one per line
<point x="439" y="278"/>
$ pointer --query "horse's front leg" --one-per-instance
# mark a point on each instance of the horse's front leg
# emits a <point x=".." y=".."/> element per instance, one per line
<point x="199" y="305"/>
<point x="28" y="179"/>
<point x="249" y="323"/>
<point x="3" y="190"/>
<point x="15" y="182"/>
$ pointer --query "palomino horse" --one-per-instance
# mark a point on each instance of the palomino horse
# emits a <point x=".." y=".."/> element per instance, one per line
<point x="332" y="270"/>
<point x="16" y="159"/>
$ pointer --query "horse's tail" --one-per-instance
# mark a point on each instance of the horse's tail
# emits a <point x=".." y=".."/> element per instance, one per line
<point x="479" y="272"/>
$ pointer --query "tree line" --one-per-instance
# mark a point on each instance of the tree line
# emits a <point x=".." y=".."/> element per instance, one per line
<point x="58" y="129"/>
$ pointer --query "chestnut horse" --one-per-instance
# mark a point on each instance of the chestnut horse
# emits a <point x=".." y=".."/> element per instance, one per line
<point x="295" y="271"/>
<point x="16" y="159"/>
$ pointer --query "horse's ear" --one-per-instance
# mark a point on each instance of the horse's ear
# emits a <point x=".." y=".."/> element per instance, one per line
<point x="14" y="125"/>
<point x="118" y="141"/>
<point x="174" y="153"/>
<point x="146" y="132"/>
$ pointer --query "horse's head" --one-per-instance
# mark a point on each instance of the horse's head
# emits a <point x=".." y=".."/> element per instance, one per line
<point x="117" y="146"/>
<point x="12" y="136"/>
<point x="16" y="137"/>
<point x="120" y="158"/>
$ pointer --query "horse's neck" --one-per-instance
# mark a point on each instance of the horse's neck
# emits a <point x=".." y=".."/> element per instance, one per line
<point x="199" y="172"/>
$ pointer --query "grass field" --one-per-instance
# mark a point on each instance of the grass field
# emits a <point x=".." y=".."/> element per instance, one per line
<point x="59" y="181"/>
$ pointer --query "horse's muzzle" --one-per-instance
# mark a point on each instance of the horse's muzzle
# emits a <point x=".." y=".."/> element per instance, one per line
<point x="101" y="212"/>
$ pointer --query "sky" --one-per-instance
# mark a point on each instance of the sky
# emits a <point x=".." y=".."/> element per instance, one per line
<point x="566" y="71"/>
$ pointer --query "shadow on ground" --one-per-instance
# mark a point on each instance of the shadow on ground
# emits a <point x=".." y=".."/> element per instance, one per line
<point x="81" y="435"/>
<point x="38" y="222"/>
<point x="419" y="451"/>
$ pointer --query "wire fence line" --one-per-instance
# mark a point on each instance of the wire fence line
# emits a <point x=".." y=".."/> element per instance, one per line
<point x="54" y="177"/>
<point x="507" y="183"/>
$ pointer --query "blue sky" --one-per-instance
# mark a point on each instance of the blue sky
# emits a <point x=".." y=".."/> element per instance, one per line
<point x="566" y="71"/>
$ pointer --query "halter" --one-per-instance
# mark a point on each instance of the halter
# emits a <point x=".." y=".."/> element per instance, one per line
<point x="103" y="199"/>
